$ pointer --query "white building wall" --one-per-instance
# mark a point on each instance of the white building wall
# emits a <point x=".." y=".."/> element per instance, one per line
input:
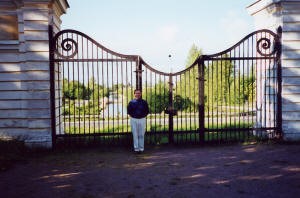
<point x="24" y="71"/>
<point x="270" y="14"/>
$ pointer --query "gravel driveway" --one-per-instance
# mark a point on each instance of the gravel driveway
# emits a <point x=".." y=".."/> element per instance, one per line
<point x="257" y="170"/>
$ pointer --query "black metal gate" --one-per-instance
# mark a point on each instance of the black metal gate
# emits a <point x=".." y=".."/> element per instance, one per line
<point x="234" y="95"/>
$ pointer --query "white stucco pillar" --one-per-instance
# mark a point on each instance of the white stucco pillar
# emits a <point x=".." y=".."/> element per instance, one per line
<point x="270" y="14"/>
<point x="24" y="68"/>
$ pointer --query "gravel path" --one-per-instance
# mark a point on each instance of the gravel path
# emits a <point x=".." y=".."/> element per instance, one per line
<point x="258" y="170"/>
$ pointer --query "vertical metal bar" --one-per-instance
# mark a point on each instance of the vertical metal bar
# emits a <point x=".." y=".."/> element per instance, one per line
<point x="243" y="93"/>
<point x="78" y="95"/>
<point x="93" y="93"/>
<point x="155" y="94"/>
<point x="275" y="82"/>
<point x="186" y="112"/>
<point x="201" y="98"/>
<point x="265" y="89"/>
<point x="150" y="96"/>
<point x="196" y="101"/>
<point x="181" y="114"/>
<point x="230" y="69"/>
<point x="227" y="66"/>
<point x="269" y="99"/>
<point x="209" y="116"/>
<point x="63" y="85"/>
<point x="254" y="79"/>
<point x="122" y="94"/>
<point x="164" y="99"/>
<point x="176" y="93"/>
<point x="127" y="96"/>
<point x="146" y="92"/>
<point x="212" y="100"/>
<point x="279" y="83"/>
<point x="88" y="87"/>
<point x="234" y="94"/>
<point x="261" y="80"/>
<point x="171" y="138"/>
<point x="117" y="107"/>
<point x="74" y="99"/>
<point x="108" y="89"/>
<point x="258" y="88"/>
<point x="52" y="85"/>
<point x="112" y="91"/>
<point x="185" y="121"/>
<point x="190" y="109"/>
<point x="131" y="82"/>
<point x="222" y="97"/>
<point x="261" y="94"/>
<point x="160" y="97"/>
<point x="93" y="96"/>
<point x="139" y="74"/>
<point x="83" y="94"/>
<point x="103" y="93"/>
<point x="69" y="100"/>
<point x="249" y="96"/>
<point x="239" y="94"/>
<point x="217" y="97"/>
<point x="98" y="90"/>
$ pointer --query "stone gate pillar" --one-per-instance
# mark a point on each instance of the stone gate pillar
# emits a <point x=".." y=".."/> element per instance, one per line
<point x="24" y="68"/>
<point x="270" y="14"/>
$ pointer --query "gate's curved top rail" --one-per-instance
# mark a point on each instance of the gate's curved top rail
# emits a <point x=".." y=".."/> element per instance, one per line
<point x="152" y="69"/>
<point x="70" y="45"/>
<point x="165" y="73"/>
<point x="263" y="44"/>
<point x="262" y="39"/>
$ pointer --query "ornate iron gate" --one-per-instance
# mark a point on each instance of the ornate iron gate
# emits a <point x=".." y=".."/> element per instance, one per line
<point x="233" y="95"/>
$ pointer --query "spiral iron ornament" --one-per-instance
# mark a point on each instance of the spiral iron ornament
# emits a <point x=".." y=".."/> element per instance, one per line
<point x="263" y="46"/>
<point x="69" y="48"/>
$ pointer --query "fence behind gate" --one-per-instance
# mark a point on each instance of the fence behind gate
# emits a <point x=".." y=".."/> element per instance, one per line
<point x="229" y="96"/>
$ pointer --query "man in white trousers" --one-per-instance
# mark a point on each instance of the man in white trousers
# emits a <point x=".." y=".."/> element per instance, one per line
<point x="138" y="109"/>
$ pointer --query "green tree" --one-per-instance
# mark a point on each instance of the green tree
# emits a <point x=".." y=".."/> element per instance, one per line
<point x="187" y="87"/>
<point x="157" y="97"/>
<point x="244" y="88"/>
<point x="193" y="54"/>
<point x="75" y="90"/>
<point x="219" y="80"/>
<point x="97" y="92"/>
<point x="181" y="103"/>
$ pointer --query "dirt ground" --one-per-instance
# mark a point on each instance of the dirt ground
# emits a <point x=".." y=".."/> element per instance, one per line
<point x="258" y="170"/>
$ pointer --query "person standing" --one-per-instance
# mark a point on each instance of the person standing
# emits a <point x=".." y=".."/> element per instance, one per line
<point x="138" y="110"/>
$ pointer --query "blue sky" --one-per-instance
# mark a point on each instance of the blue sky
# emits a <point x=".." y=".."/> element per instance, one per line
<point x="154" y="29"/>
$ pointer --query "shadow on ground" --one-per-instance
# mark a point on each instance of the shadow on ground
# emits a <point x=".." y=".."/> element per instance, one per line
<point x="253" y="170"/>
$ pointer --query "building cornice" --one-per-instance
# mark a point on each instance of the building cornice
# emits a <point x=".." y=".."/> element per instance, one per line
<point x="63" y="5"/>
<point x="270" y="6"/>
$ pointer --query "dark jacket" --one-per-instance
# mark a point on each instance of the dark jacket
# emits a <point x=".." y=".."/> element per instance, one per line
<point x="138" y="108"/>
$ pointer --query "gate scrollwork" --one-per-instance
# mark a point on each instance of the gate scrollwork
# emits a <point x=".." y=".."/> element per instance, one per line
<point x="68" y="45"/>
<point x="65" y="48"/>
<point x="264" y="44"/>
